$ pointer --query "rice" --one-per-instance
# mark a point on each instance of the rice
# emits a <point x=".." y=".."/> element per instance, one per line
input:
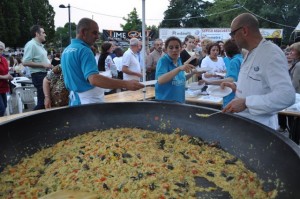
<point x="131" y="163"/>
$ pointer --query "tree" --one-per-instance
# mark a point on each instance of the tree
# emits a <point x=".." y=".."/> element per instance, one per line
<point x="222" y="12"/>
<point x="43" y="14"/>
<point x="11" y="16"/>
<point x="62" y="39"/>
<point x="187" y="14"/>
<point x="154" y="30"/>
<point x="17" y="16"/>
<point x="283" y="14"/>
<point x="25" y="22"/>
<point x="133" y="22"/>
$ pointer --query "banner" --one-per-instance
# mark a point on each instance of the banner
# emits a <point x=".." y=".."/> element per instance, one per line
<point x="214" y="34"/>
<point x="181" y="33"/>
<point x="114" y="35"/>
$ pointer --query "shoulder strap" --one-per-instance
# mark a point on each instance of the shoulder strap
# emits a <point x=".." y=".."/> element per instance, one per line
<point x="293" y="66"/>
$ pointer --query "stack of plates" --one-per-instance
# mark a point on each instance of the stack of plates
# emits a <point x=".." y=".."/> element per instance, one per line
<point x="195" y="86"/>
<point x="217" y="91"/>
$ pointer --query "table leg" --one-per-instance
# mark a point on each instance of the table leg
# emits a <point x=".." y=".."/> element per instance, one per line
<point x="295" y="129"/>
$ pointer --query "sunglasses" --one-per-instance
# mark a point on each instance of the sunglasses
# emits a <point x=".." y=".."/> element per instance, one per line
<point x="232" y="33"/>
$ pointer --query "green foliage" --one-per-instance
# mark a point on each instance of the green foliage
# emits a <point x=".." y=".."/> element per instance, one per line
<point x="155" y="30"/>
<point x="17" y="16"/>
<point x="26" y="21"/>
<point x="283" y="14"/>
<point x="186" y="14"/>
<point x="132" y="22"/>
<point x="222" y="12"/>
<point x="11" y="17"/>
<point x="61" y="38"/>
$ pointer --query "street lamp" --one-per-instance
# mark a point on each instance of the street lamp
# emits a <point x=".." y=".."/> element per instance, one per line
<point x="69" y="10"/>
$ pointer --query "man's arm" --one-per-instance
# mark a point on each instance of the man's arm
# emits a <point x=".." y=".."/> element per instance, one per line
<point x="106" y="82"/>
<point x="37" y="65"/>
<point x="7" y="76"/>
<point x="46" y="89"/>
<point x="126" y="70"/>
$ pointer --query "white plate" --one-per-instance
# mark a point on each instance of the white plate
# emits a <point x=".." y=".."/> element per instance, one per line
<point x="221" y="74"/>
<point x="203" y="69"/>
<point x="195" y="86"/>
<point x="148" y="83"/>
<point x="217" y="91"/>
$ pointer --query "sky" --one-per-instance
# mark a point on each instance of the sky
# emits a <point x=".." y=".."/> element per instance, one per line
<point x="108" y="13"/>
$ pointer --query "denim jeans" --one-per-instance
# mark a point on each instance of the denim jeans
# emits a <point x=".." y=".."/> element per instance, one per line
<point x="3" y="103"/>
<point x="37" y="80"/>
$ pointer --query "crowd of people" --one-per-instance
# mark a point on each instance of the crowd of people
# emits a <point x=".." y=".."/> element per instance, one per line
<point x="262" y="80"/>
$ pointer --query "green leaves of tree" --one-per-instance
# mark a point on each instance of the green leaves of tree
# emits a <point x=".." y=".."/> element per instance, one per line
<point x="17" y="16"/>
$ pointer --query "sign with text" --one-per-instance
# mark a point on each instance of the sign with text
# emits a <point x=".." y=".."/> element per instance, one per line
<point x="181" y="33"/>
<point x="114" y="35"/>
<point x="215" y="34"/>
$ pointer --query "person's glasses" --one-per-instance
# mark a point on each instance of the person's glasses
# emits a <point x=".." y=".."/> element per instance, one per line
<point x="232" y="33"/>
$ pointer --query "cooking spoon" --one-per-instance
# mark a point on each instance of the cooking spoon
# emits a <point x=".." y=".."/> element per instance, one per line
<point x="207" y="115"/>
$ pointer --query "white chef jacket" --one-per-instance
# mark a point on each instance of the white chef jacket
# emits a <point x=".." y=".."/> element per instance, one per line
<point x="265" y="84"/>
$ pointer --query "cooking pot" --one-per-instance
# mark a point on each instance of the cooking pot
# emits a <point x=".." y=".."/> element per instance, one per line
<point x="272" y="156"/>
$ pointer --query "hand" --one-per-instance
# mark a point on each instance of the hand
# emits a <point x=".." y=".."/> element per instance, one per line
<point x="235" y="106"/>
<point x="202" y="82"/>
<point x="9" y="77"/>
<point x="48" y="66"/>
<point x="187" y="68"/>
<point x="208" y="75"/>
<point x="228" y="84"/>
<point x="47" y="102"/>
<point x="133" y="85"/>
<point x="139" y="74"/>
<point x="198" y="73"/>
<point x="196" y="55"/>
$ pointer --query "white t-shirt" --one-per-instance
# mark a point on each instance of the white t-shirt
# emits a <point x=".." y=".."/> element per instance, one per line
<point x="110" y="65"/>
<point x="131" y="61"/>
<point x="215" y="66"/>
<point x="118" y="63"/>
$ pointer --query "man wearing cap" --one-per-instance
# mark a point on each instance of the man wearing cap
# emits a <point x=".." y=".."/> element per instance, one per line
<point x="35" y="56"/>
<point x="4" y="77"/>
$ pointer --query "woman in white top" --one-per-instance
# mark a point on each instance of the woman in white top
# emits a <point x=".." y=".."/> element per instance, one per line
<point x="213" y="62"/>
<point x="105" y="62"/>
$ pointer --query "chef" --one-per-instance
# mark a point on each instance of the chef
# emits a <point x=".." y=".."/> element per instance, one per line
<point x="264" y="86"/>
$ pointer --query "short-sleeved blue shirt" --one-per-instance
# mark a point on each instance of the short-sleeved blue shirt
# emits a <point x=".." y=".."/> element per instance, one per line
<point x="173" y="90"/>
<point x="78" y="63"/>
<point x="232" y="70"/>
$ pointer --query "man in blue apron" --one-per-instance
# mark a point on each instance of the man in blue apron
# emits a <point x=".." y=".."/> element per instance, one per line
<point x="264" y="87"/>
<point x="80" y="70"/>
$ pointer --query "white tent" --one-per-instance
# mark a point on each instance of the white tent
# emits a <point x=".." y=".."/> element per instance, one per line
<point x="297" y="29"/>
<point x="295" y="32"/>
